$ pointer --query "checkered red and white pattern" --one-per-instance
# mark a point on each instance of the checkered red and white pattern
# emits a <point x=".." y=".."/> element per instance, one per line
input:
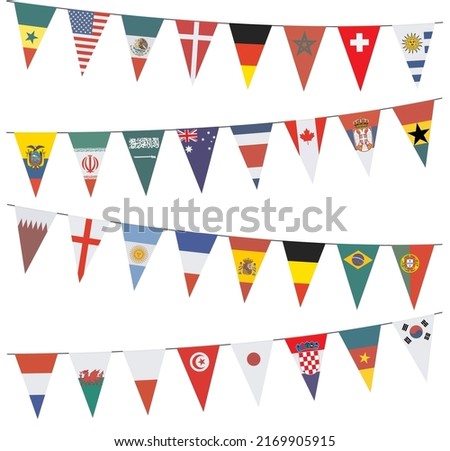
<point x="309" y="362"/>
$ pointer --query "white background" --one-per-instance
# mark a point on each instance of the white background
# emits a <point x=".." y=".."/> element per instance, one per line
<point x="402" y="202"/>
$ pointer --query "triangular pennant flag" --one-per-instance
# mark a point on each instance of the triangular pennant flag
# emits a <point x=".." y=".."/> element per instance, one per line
<point x="36" y="370"/>
<point x="248" y="254"/>
<point x="249" y="41"/>
<point x="307" y="137"/>
<point x="144" y="149"/>
<point x="254" y="359"/>
<point x="416" y="121"/>
<point x="198" y="144"/>
<point x="33" y="22"/>
<point x="195" y="39"/>
<point x="140" y="241"/>
<point x="87" y="27"/>
<point x="363" y="345"/>
<point x="308" y="355"/>
<point x="304" y="43"/>
<point x="141" y="34"/>
<point x="413" y="263"/>
<point x="89" y="148"/>
<point x="33" y="226"/>
<point x="194" y="250"/>
<point x="86" y="235"/>
<point x="415" y="42"/>
<point x="253" y="141"/>
<point x="362" y="129"/>
<point x="359" y="43"/>
<point x="303" y="259"/>
<point x="145" y="366"/>
<point x="358" y="260"/>
<point x="91" y="369"/>
<point x="417" y="334"/>
<point x="199" y="363"/>
<point x="35" y="149"/>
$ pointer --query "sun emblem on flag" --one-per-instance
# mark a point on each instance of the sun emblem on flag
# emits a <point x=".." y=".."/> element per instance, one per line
<point x="247" y="267"/>
<point x="358" y="259"/>
<point x="412" y="43"/>
<point x="138" y="254"/>
<point x="409" y="263"/>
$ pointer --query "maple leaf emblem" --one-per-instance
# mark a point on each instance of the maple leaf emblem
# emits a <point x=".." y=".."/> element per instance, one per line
<point x="307" y="135"/>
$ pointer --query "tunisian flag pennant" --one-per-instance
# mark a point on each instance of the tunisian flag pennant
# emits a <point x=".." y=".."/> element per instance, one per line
<point x="199" y="363"/>
<point x="359" y="43"/>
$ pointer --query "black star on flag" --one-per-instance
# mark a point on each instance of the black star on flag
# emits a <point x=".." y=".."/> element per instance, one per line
<point x="419" y="134"/>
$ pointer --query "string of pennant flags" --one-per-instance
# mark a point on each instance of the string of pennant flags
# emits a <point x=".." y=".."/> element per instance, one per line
<point x="249" y="39"/>
<point x="198" y="144"/>
<point x="253" y="357"/>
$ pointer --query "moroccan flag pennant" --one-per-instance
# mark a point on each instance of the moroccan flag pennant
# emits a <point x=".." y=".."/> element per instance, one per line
<point x="36" y="370"/>
<point x="303" y="259"/>
<point x="417" y="334"/>
<point x="89" y="148"/>
<point x="304" y="43"/>
<point x="359" y="43"/>
<point x="141" y="34"/>
<point x="307" y="137"/>
<point x="194" y="250"/>
<point x="33" y="22"/>
<point x="415" y="42"/>
<point x="198" y="145"/>
<point x="253" y="141"/>
<point x="248" y="254"/>
<point x="144" y="367"/>
<point x="363" y="345"/>
<point x="199" y="363"/>
<point x="249" y="41"/>
<point x="140" y="242"/>
<point x="35" y="149"/>
<point x="195" y="39"/>
<point x="308" y="355"/>
<point x="254" y="359"/>
<point x="362" y="129"/>
<point x="358" y="260"/>
<point x="91" y="369"/>
<point x="33" y="226"/>
<point x="413" y="263"/>
<point x="416" y="121"/>
<point x="87" y="28"/>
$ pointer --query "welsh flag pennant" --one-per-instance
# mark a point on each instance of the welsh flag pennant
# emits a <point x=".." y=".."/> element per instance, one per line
<point x="359" y="43"/>
<point x="199" y="363"/>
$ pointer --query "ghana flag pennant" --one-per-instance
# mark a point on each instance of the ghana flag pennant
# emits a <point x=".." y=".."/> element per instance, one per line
<point x="416" y="121"/>
<point x="33" y="22"/>
<point x="249" y="41"/>
<point x="413" y="263"/>
<point x="141" y="34"/>
<point x="303" y="259"/>
<point x="363" y="345"/>
<point x="35" y="149"/>
<point x="358" y="260"/>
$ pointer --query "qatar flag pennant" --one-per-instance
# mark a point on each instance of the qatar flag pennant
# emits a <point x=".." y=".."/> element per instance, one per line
<point x="199" y="363"/>
<point x="359" y="43"/>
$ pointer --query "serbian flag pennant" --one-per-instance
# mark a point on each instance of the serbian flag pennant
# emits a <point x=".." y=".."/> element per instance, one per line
<point x="36" y="370"/>
<point x="308" y="355"/>
<point x="144" y="367"/>
<point x="359" y="43"/>
<point x="304" y="43"/>
<point x="89" y="148"/>
<point x="194" y="250"/>
<point x="35" y="149"/>
<point x="249" y="41"/>
<point x="413" y="263"/>
<point x="307" y="137"/>
<point x="91" y="369"/>
<point x="362" y="129"/>
<point x="141" y="34"/>
<point x="33" y="22"/>
<point x="199" y="363"/>
<point x="363" y="345"/>
<point x="195" y="39"/>
<point x="416" y="121"/>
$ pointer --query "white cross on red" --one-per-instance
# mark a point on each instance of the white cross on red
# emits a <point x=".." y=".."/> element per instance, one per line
<point x="359" y="42"/>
